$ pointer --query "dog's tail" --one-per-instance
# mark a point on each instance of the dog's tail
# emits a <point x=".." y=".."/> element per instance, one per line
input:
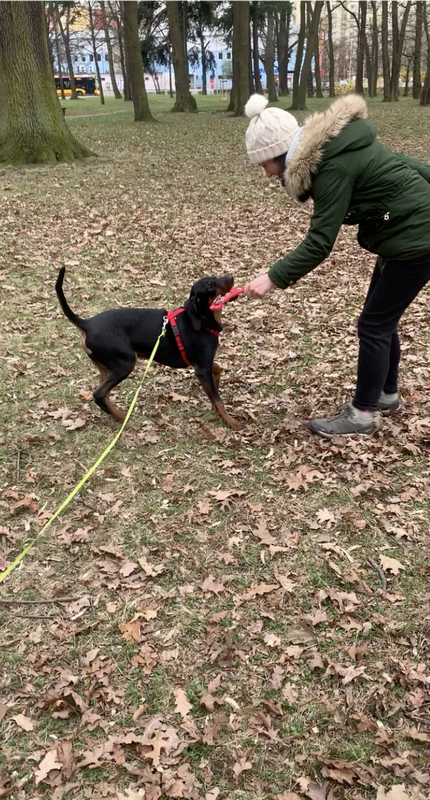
<point x="80" y="323"/>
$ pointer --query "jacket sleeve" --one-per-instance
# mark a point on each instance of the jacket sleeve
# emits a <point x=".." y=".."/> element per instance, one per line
<point x="332" y="191"/>
<point x="418" y="166"/>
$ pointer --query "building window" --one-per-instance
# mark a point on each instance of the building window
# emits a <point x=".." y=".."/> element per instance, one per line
<point x="220" y="77"/>
<point x="220" y="56"/>
<point x="99" y="58"/>
<point x="228" y="55"/>
<point x="83" y="59"/>
<point x="91" y="58"/>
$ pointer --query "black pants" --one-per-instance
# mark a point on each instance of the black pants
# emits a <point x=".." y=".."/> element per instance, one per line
<point x="391" y="291"/>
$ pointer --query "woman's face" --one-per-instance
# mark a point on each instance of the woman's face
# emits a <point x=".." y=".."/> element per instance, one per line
<point x="273" y="168"/>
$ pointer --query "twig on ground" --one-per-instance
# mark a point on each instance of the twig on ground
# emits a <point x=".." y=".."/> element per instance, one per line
<point x="380" y="572"/>
<point x="17" y="601"/>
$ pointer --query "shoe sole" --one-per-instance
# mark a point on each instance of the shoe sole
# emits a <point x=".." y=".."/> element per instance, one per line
<point x="350" y="433"/>
<point x="387" y="411"/>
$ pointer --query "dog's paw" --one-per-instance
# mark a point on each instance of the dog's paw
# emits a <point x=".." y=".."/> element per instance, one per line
<point x="235" y="424"/>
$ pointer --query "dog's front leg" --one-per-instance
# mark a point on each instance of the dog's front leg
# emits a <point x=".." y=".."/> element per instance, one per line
<point x="206" y="378"/>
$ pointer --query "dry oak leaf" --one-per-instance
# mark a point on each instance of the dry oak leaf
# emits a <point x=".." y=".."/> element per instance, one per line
<point x="391" y="564"/>
<point x="241" y="766"/>
<point x="399" y="792"/>
<point x="418" y="736"/>
<point x="132" y="794"/>
<point x="314" y="790"/>
<point x="289" y="796"/>
<point x="211" y="585"/>
<point x="352" y="673"/>
<point x="131" y="630"/>
<point x="48" y="763"/>
<point x="262" y="588"/>
<point x="23" y="722"/>
<point x="182" y="707"/>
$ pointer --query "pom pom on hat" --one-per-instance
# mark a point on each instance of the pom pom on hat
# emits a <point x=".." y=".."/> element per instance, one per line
<point x="270" y="131"/>
<point x="255" y="105"/>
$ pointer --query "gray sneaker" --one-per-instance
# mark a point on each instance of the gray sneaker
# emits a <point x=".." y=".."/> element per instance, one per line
<point x="348" y="422"/>
<point x="389" y="403"/>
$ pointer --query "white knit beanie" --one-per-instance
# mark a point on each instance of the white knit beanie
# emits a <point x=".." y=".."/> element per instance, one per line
<point x="270" y="131"/>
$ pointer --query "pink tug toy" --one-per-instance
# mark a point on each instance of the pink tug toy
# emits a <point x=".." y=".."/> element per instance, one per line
<point x="219" y="302"/>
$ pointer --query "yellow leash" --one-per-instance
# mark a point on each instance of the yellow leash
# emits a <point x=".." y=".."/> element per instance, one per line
<point x="92" y="469"/>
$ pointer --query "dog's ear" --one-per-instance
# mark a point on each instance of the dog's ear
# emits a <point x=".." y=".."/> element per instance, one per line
<point x="191" y="309"/>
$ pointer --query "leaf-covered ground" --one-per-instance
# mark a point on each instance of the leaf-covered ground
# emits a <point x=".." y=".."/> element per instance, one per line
<point x="234" y="615"/>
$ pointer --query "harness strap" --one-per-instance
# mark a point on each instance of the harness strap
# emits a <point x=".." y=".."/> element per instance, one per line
<point x="171" y="317"/>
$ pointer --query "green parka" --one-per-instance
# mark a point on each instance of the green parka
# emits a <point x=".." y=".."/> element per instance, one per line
<point x="354" y="180"/>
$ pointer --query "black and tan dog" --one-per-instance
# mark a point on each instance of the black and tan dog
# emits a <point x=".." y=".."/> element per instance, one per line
<point x="116" y="338"/>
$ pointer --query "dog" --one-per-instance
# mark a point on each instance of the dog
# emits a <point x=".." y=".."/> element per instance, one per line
<point x="116" y="338"/>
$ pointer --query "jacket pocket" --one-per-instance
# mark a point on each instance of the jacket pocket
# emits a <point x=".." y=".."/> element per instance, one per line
<point x="371" y="227"/>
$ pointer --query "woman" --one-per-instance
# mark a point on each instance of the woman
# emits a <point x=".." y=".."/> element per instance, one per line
<point x="336" y="160"/>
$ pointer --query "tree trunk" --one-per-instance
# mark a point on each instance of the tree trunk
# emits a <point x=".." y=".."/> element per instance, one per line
<point x="184" y="99"/>
<point x="310" y="49"/>
<point x="204" y="74"/>
<point x="331" y="91"/>
<point x="385" y="55"/>
<point x="375" y="50"/>
<point x="135" y="64"/>
<point x="318" y="69"/>
<point x="269" y="58"/>
<point x="240" y="88"/>
<point x="408" y="73"/>
<point x="120" y="31"/>
<point x="284" y="21"/>
<point x="255" y="49"/>
<point x="398" y="42"/>
<point x="425" y="94"/>
<point x="60" y="71"/>
<point x="299" y="55"/>
<point x="361" y="48"/>
<point x="419" y="24"/>
<point x="65" y="35"/>
<point x="93" y="42"/>
<point x="250" y="72"/>
<point x="170" y="73"/>
<point x="116" y="91"/>
<point x="32" y="127"/>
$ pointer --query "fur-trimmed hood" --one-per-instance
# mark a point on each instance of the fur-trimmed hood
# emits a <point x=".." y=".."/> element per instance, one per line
<point x="317" y="131"/>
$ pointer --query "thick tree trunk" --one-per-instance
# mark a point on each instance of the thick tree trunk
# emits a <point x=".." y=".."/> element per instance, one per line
<point x="116" y="91"/>
<point x="255" y="49"/>
<point x="419" y="24"/>
<point x="269" y="58"/>
<point x="184" y="99"/>
<point x="398" y="42"/>
<point x="65" y="35"/>
<point x="135" y="64"/>
<point x="425" y="94"/>
<point x="32" y="127"/>
<point x="385" y="55"/>
<point x="361" y="49"/>
<point x="331" y="90"/>
<point x="299" y="55"/>
<point x="310" y="49"/>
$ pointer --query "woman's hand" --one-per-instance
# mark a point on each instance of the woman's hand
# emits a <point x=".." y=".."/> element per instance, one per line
<point x="259" y="286"/>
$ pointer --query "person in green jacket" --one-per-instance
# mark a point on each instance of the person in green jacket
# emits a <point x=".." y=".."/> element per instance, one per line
<point x="336" y="160"/>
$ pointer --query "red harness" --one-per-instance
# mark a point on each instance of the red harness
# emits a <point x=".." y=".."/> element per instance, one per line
<point x="171" y="317"/>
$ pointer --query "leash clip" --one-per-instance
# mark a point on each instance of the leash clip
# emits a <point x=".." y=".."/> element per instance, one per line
<point x="165" y="323"/>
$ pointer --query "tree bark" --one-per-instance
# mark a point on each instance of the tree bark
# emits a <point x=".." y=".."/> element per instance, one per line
<point x="32" y="127"/>
<point x="375" y="50"/>
<point x="284" y="22"/>
<point x="255" y="49"/>
<point x="310" y="49"/>
<point x="135" y="64"/>
<point x="331" y="90"/>
<point x="203" y="51"/>
<point x="385" y="55"/>
<point x="60" y="70"/>
<point x="120" y="30"/>
<point x="240" y="88"/>
<point x="408" y="74"/>
<point x="116" y="91"/>
<point x="299" y="55"/>
<point x="425" y="94"/>
<point x="361" y="48"/>
<point x="318" y="69"/>
<point x="94" y="46"/>
<point x="398" y="42"/>
<point x="419" y="24"/>
<point x="250" y="71"/>
<point x="65" y="34"/>
<point x="269" y="58"/>
<point x="184" y="99"/>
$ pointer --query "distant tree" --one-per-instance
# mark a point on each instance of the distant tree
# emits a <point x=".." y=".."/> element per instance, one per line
<point x="184" y="99"/>
<point x="283" y="18"/>
<point x="139" y="96"/>
<point x="94" y="48"/>
<point x="312" y="34"/>
<point x="105" y="23"/>
<point x="425" y="94"/>
<point x="331" y="89"/>
<point x="201" y="20"/>
<point x="420" y="14"/>
<point x="32" y="127"/>
<point x="240" y="85"/>
<point x="116" y="12"/>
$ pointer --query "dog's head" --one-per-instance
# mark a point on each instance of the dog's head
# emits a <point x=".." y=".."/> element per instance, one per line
<point x="202" y="295"/>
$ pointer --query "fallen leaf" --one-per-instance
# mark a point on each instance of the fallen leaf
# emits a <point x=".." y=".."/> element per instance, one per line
<point x="241" y="766"/>
<point x="48" y="763"/>
<point x="352" y="673"/>
<point x="391" y="564"/>
<point x="289" y="796"/>
<point x="211" y="585"/>
<point x="23" y="722"/>
<point x="3" y="710"/>
<point x="132" y="794"/>
<point x="183" y="707"/>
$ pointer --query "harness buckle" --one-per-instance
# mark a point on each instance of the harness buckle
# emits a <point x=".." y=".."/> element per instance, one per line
<point x="165" y="324"/>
